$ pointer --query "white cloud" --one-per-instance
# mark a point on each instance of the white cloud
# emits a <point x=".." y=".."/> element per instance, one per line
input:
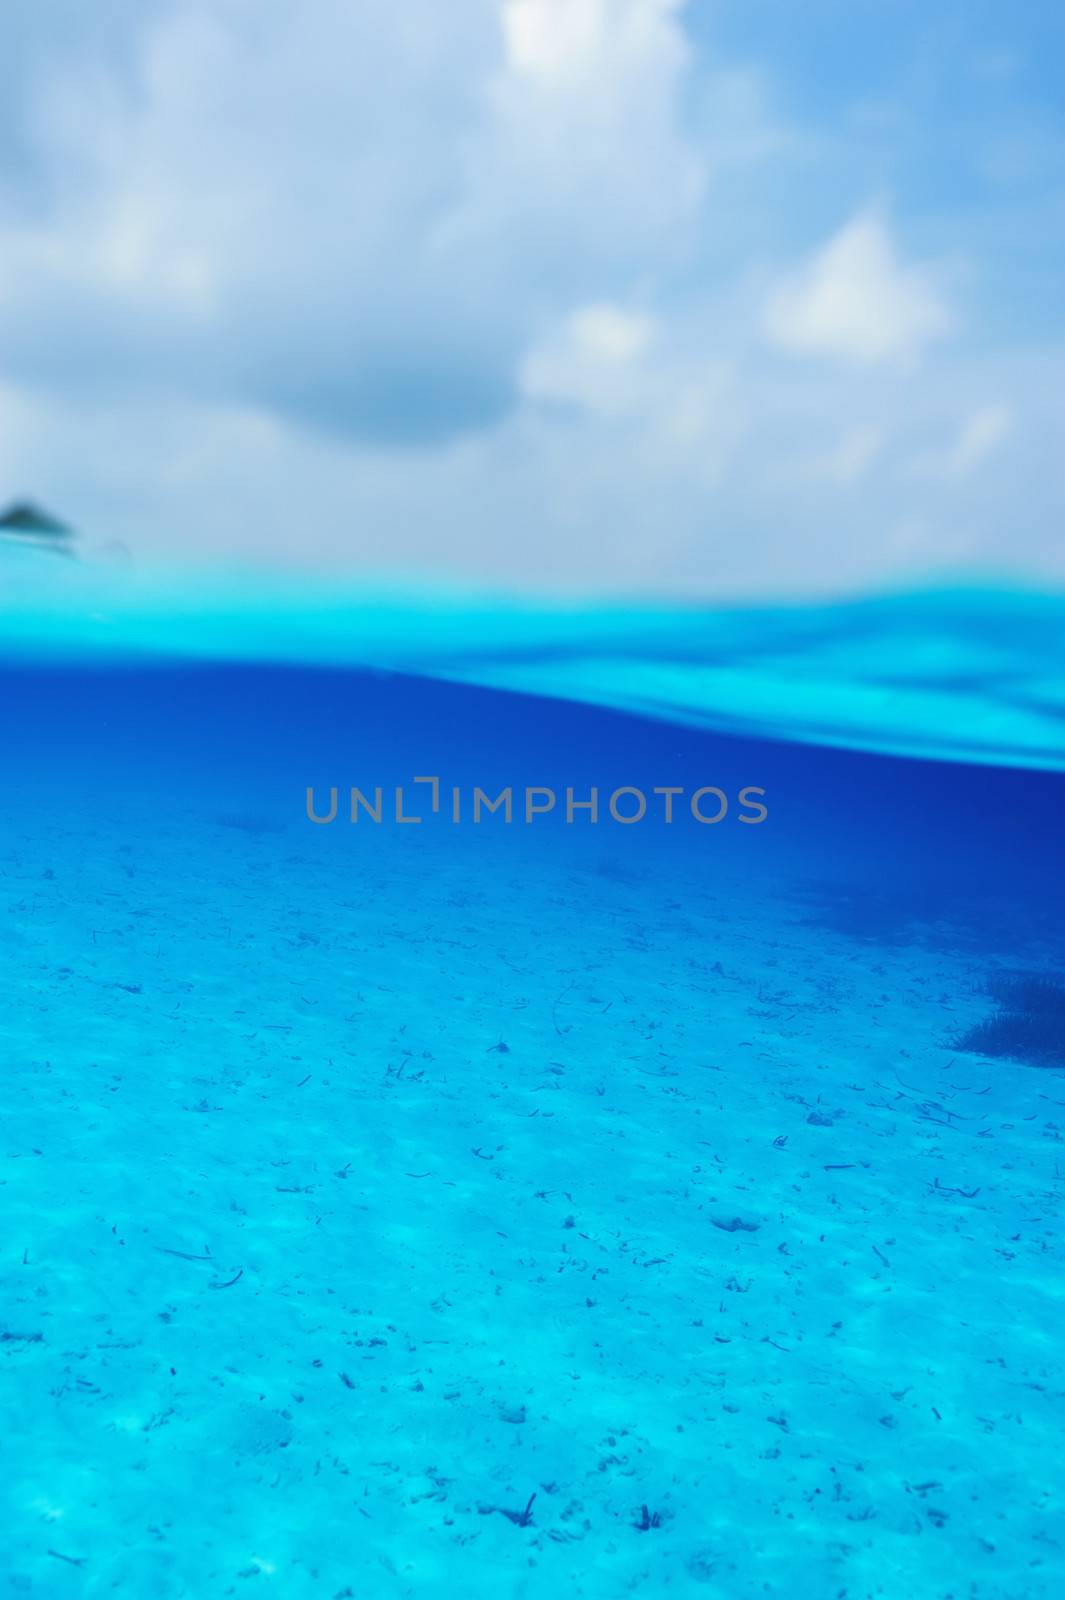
<point x="700" y="483"/>
<point x="247" y="250"/>
<point x="352" y="215"/>
<point x="553" y="39"/>
<point x="611" y="335"/>
<point x="593" y="361"/>
<point x="858" y="302"/>
<point x="850" y="457"/>
<point x="980" y="435"/>
<point x="568" y="45"/>
<point x="665" y="402"/>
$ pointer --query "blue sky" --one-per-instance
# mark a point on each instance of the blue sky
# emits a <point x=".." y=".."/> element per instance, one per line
<point x="732" y="297"/>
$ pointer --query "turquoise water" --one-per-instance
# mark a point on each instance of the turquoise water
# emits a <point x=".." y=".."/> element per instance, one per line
<point x="455" y="1207"/>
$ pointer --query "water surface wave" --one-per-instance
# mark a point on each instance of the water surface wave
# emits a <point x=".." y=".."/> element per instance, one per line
<point x="962" y="675"/>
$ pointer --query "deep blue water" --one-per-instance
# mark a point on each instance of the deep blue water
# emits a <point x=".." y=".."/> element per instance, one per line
<point x="364" y="1180"/>
<point x="158" y="745"/>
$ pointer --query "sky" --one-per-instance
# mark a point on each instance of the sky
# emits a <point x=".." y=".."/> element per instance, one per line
<point x="732" y="297"/>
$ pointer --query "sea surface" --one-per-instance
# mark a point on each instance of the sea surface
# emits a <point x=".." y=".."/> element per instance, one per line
<point x="580" y="1204"/>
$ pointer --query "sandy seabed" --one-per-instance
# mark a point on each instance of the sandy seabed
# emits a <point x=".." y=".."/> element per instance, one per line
<point x="449" y="1218"/>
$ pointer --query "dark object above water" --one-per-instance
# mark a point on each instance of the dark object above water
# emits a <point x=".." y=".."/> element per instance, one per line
<point x="28" y="524"/>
